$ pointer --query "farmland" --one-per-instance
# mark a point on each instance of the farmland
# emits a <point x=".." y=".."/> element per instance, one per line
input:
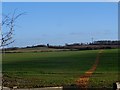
<point x="41" y="69"/>
<point x="107" y="70"/>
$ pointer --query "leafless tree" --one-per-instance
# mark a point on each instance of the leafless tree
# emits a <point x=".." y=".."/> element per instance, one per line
<point x="8" y="21"/>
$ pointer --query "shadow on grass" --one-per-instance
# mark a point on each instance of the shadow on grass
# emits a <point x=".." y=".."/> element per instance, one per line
<point x="75" y="87"/>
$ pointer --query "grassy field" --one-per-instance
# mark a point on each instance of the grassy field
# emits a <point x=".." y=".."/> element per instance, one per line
<point x="58" y="68"/>
<point x="107" y="70"/>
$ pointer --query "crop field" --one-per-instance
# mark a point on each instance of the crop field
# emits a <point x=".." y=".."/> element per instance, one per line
<point x="107" y="70"/>
<point x="41" y="69"/>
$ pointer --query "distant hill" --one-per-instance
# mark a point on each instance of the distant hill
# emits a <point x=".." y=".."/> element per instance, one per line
<point x="103" y="44"/>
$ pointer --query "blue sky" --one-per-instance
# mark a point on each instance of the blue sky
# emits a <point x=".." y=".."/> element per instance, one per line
<point x="60" y="23"/>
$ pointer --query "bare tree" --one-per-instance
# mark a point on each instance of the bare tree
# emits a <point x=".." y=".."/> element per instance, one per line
<point x="8" y="21"/>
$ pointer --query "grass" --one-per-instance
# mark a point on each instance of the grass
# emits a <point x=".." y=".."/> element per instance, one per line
<point x="107" y="70"/>
<point x="58" y="68"/>
<point x="46" y="68"/>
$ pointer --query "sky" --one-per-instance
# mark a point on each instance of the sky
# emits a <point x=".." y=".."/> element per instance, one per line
<point x="58" y="23"/>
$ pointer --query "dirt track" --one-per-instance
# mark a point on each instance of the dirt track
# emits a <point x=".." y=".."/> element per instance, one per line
<point x="83" y="81"/>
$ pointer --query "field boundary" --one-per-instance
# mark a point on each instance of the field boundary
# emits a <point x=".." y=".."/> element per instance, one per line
<point x="83" y="81"/>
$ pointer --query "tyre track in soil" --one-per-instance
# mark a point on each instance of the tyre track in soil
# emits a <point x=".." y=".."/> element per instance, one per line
<point x="83" y="81"/>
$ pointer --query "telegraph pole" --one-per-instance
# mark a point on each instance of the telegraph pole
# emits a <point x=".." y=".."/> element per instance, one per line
<point x="92" y="39"/>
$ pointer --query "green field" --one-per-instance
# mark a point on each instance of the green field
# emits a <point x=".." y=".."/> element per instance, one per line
<point x="107" y="70"/>
<point x="58" y="68"/>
